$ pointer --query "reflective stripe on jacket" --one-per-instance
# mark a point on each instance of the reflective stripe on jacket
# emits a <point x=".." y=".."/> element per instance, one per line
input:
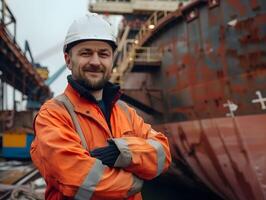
<point x="69" y="170"/>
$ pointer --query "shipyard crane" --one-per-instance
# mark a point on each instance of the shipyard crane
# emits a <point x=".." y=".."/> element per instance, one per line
<point x="16" y="69"/>
<point x="35" y="105"/>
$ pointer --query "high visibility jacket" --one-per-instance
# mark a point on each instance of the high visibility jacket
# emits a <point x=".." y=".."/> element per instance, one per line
<point x="70" y="171"/>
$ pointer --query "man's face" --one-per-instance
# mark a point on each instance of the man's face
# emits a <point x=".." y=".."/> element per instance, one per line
<point x="91" y="63"/>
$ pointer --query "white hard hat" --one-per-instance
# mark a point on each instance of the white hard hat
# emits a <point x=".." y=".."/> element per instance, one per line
<point x="90" y="27"/>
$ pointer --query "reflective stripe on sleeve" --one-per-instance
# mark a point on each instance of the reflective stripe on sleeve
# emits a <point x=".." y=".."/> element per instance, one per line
<point x="87" y="188"/>
<point x="123" y="106"/>
<point x="125" y="157"/>
<point x="160" y="155"/>
<point x="136" y="186"/>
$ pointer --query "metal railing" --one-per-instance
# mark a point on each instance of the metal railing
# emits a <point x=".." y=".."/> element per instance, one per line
<point x="132" y="51"/>
<point x="132" y="54"/>
<point x="150" y="24"/>
<point x="123" y="62"/>
<point x="147" y="54"/>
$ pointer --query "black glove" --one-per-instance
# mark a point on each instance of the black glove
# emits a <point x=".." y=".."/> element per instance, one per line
<point x="107" y="155"/>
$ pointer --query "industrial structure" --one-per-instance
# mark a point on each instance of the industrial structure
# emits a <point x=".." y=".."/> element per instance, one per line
<point x="26" y="81"/>
<point x="198" y="73"/>
<point x="16" y="70"/>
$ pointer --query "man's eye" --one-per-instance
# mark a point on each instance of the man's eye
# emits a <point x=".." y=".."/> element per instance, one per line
<point x="84" y="53"/>
<point x="104" y="55"/>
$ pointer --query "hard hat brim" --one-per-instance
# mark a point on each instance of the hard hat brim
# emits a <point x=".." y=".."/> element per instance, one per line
<point x="72" y="44"/>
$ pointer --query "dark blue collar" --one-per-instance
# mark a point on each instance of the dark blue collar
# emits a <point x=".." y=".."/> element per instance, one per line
<point x="111" y="93"/>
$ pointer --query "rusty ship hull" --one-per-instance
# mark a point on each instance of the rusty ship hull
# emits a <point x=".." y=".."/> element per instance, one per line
<point x="208" y="93"/>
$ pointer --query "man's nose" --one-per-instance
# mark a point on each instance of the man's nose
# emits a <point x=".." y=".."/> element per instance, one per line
<point x="95" y="60"/>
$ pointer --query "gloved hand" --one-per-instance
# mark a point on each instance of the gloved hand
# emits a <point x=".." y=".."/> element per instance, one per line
<point x="107" y="155"/>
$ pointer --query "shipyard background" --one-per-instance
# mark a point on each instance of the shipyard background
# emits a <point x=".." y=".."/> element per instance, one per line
<point x="194" y="69"/>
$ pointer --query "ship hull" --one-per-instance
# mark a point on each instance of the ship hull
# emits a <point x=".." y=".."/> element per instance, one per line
<point x="227" y="154"/>
<point x="209" y="95"/>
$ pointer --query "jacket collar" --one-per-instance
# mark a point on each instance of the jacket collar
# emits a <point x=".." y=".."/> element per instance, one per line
<point x="79" y="93"/>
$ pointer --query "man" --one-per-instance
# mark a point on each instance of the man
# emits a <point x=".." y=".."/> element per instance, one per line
<point x="116" y="150"/>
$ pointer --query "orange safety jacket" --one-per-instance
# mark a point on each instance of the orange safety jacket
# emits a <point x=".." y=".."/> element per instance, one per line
<point x="69" y="170"/>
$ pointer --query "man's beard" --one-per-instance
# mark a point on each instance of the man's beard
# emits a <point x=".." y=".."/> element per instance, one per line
<point x="94" y="86"/>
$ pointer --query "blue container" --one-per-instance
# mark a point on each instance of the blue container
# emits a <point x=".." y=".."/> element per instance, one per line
<point x="10" y="150"/>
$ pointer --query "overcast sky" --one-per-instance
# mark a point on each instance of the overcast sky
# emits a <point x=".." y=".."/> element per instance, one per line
<point x="44" y="24"/>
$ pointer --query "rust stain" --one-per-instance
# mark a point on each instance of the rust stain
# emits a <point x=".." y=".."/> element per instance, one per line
<point x="260" y="19"/>
<point x="249" y="61"/>
<point x="238" y="6"/>
<point x="190" y="62"/>
<point x="251" y="38"/>
<point x="171" y="70"/>
<point x="253" y="60"/>
<point x="245" y="25"/>
<point x="214" y="19"/>
<point x="221" y="50"/>
<point x="254" y="4"/>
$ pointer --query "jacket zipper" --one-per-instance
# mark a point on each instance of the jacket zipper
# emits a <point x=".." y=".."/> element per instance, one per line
<point x="109" y="130"/>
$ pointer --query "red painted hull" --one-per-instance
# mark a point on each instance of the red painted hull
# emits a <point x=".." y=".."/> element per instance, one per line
<point x="227" y="154"/>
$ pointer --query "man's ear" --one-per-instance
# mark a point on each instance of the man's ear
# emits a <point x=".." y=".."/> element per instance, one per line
<point x="68" y="60"/>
